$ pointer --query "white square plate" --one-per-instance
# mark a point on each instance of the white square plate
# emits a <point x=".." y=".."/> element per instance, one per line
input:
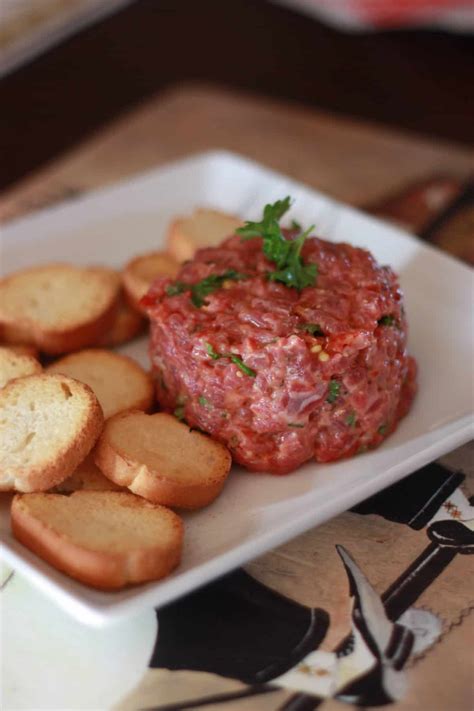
<point x="258" y="512"/>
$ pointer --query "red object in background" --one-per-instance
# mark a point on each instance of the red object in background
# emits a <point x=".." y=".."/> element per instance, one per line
<point x="456" y="15"/>
<point x="389" y="13"/>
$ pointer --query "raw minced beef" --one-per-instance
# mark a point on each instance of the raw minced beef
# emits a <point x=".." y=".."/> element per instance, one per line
<point x="319" y="373"/>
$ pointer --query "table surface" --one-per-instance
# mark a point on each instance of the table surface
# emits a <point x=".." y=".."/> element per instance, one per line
<point x="356" y="162"/>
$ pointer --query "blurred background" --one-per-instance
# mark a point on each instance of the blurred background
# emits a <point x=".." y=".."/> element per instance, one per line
<point x="68" y="67"/>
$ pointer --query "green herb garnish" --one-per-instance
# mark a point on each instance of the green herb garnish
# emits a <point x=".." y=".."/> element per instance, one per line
<point x="179" y="412"/>
<point x="313" y="328"/>
<point x="210" y="350"/>
<point x="203" y="401"/>
<point x="382" y="430"/>
<point x="295" y="225"/>
<point x="334" y="390"/>
<point x="295" y="424"/>
<point x="351" y="419"/>
<point x="179" y="287"/>
<point x="236" y="359"/>
<point x="285" y="253"/>
<point x="204" y="287"/>
<point x="211" y="283"/>
<point x="387" y="321"/>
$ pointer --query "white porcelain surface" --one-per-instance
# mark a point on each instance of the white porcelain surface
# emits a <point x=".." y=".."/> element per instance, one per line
<point x="258" y="512"/>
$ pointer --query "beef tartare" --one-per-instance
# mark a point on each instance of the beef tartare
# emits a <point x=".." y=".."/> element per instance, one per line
<point x="282" y="346"/>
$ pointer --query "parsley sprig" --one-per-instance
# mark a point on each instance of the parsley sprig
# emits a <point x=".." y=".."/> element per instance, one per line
<point x="387" y="321"/>
<point x="285" y="253"/>
<point x="313" y="328"/>
<point x="334" y="391"/>
<point x="204" y="287"/>
<point x="236" y="359"/>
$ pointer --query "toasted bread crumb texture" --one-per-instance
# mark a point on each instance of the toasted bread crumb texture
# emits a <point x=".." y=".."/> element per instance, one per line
<point x="204" y="228"/>
<point x="112" y="523"/>
<point x="128" y="324"/>
<point x="166" y="446"/>
<point x="104" y="539"/>
<point x="118" y="381"/>
<point x="14" y="365"/>
<point x="57" y="296"/>
<point x="140" y="273"/>
<point x="48" y="425"/>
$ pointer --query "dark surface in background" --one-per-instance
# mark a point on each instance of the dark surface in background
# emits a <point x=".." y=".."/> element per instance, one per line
<point x="420" y="81"/>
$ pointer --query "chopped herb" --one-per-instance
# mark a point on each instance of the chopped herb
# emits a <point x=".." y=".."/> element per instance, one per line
<point x="204" y="401"/>
<point x="351" y="419"/>
<point x="210" y="284"/>
<point x="295" y="225"/>
<point x="204" y="287"/>
<point x="295" y="424"/>
<point x="285" y="253"/>
<point x="236" y="359"/>
<point x="334" y="389"/>
<point x="313" y="328"/>
<point x="179" y="287"/>
<point x="382" y="430"/>
<point x="179" y="412"/>
<point x="212" y="352"/>
<point x="387" y="321"/>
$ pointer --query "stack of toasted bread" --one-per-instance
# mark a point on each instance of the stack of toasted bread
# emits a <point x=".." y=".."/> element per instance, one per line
<point x="95" y="470"/>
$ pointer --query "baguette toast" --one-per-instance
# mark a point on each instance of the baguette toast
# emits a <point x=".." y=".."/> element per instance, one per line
<point x="161" y="459"/>
<point x="204" y="228"/>
<point x="15" y="365"/>
<point x="118" y="381"/>
<point x="105" y="539"/>
<point x="58" y="307"/>
<point x="48" y="425"/>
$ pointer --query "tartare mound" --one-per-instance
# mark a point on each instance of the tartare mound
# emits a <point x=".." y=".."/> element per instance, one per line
<point x="281" y="375"/>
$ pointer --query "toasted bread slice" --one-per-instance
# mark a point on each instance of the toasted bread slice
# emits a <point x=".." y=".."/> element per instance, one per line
<point x="161" y="459"/>
<point x="204" y="228"/>
<point x="87" y="477"/>
<point x="24" y="349"/>
<point x="48" y="425"/>
<point x="140" y="273"/>
<point x="59" y="307"/>
<point x="118" y="381"/>
<point x="106" y="539"/>
<point x="128" y="324"/>
<point x="14" y="365"/>
<point x="14" y="334"/>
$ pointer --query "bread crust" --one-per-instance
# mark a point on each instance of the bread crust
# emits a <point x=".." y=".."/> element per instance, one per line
<point x="87" y="476"/>
<point x="15" y="365"/>
<point x="54" y="341"/>
<point x="62" y="464"/>
<point x="140" y="272"/>
<point x="99" y="569"/>
<point x="150" y="483"/>
<point x="127" y="325"/>
<point x="141" y="399"/>
<point x="23" y="349"/>
<point x="181" y="245"/>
